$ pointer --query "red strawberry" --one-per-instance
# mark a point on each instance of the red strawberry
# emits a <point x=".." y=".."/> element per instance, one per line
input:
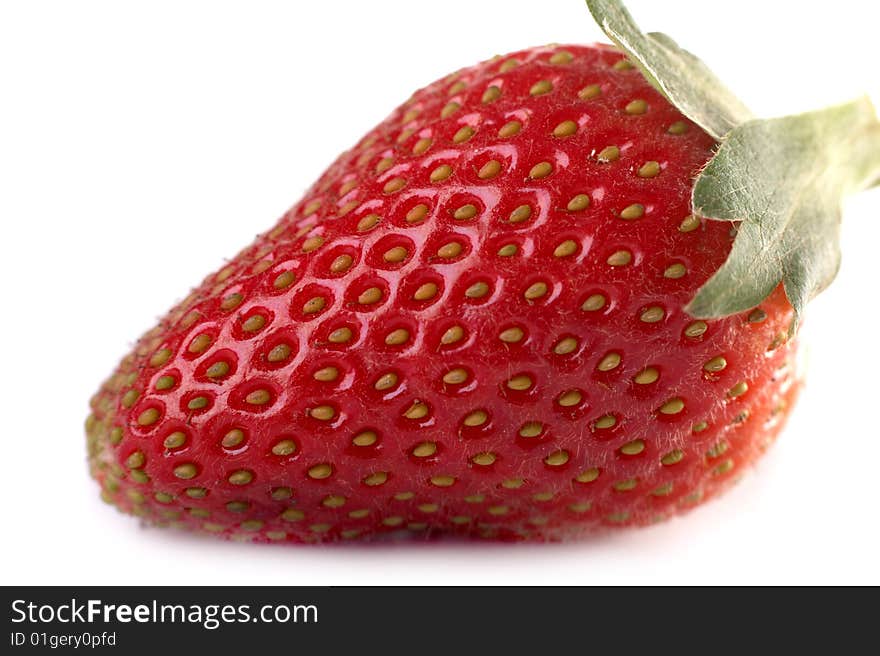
<point x="473" y="323"/>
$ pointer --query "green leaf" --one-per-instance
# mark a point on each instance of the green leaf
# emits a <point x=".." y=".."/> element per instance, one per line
<point x="784" y="179"/>
<point x="680" y="76"/>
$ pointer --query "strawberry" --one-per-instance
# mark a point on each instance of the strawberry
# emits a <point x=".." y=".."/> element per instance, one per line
<point x="475" y="322"/>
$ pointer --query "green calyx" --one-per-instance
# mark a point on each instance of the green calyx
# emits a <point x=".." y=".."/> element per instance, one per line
<point x="783" y="180"/>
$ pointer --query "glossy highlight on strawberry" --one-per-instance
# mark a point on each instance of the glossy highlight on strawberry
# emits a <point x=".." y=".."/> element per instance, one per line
<point x="472" y="324"/>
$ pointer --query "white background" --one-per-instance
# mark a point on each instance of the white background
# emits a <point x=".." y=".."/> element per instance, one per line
<point x="141" y="142"/>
